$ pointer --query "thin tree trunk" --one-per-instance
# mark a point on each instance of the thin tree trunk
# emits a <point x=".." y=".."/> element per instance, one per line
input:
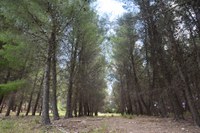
<point x="177" y="108"/>
<point x="31" y="96"/>
<point x="96" y="113"/>
<point x="122" y="103"/>
<point x="54" y="85"/>
<point x="80" y="111"/>
<point x="75" y="102"/>
<point x="69" y="100"/>
<point x="162" y="108"/>
<point x="40" y="111"/>
<point x="71" y="78"/>
<point x="2" y="104"/>
<point x="20" y="105"/>
<point x="10" y="103"/>
<point x="151" y="84"/>
<point x="38" y="96"/>
<point x="45" y="101"/>
<point x="129" y="102"/>
<point x="1" y="99"/>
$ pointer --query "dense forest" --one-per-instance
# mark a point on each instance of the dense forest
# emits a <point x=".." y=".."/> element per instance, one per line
<point x="156" y="60"/>
<point x="50" y="54"/>
<point x="52" y="59"/>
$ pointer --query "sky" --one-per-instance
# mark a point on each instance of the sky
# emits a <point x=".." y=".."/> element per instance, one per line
<point x="112" y="8"/>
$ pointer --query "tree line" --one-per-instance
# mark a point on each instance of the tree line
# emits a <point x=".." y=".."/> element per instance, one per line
<point x="156" y="61"/>
<point x="50" y="58"/>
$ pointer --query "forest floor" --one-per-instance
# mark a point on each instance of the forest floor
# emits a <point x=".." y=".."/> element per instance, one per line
<point x="141" y="124"/>
<point x="102" y="124"/>
<point x="24" y="124"/>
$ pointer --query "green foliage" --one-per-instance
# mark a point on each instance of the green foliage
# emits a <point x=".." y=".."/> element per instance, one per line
<point x="37" y="22"/>
<point x="11" y="86"/>
<point x="13" y="56"/>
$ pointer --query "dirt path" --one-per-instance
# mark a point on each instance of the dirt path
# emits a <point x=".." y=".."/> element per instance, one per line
<point x="124" y="125"/>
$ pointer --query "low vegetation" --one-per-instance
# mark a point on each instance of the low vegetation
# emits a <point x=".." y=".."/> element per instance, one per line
<point x="23" y="124"/>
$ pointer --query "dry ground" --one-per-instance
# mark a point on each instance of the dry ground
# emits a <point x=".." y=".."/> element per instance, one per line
<point x="141" y="124"/>
<point x="102" y="124"/>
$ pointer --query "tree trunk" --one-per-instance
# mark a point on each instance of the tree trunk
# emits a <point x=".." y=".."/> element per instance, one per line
<point x="163" y="110"/>
<point x="96" y="113"/>
<point x="38" y="96"/>
<point x="80" y="110"/>
<point x="183" y="72"/>
<point x="40" y="110"/>
<point x="31" y="96"/>
<point x="45" y="101"/>
<point x="1" y="99"/>
<point x="69" y="100"/>
<point x="54" y="80"/>
<point x="122" y="94"/>
<point x="2" y="104"/>
<point x="151" y="84"/>
<point x="36" y="103"/>
<point x="75" y="102"/>
<point x="190" y="101"/>
<point x="68" y="113"/>
<point x="138" y="87"/>
<point x="10" y="103"/>
<point x="20" y="105"/>
<point x="128" y="90"/>
<point x="177" y="108"/>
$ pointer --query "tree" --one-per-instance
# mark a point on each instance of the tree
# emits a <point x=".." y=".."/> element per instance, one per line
<point x="84" y="41"/>
<point x="167" y="36"/>
<point x="45" y="27"/>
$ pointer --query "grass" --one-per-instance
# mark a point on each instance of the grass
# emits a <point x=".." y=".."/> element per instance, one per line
<point x="128" y="116"/>
<point x="32" y="124"/>
<point x="102" y="129"/>
<point x="108" y="114"/>
<point x="27" y="124"/>
<point x="6" y="125"/>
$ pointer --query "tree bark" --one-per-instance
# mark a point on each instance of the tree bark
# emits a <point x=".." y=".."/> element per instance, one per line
<point x="1" y="99"/>
<point x="192" y="106"/>
<point x="75" y="102"/>
<point x="38" y="96"/>
<point x="10" y="103"/>
<point x="20" y="105"/>
<point x="45" y="101"/>
<point x="80" y="110"/>
<point x="68" y="113"/>
<point x="31" y="96"/>
<point x="183" y="72"/>
<point x="54" y="81"/>
<point x="2" y="104"/>
<point x="122" y="94"/>
<point x="137" y="86"/>
<point x="69" y="100"/>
